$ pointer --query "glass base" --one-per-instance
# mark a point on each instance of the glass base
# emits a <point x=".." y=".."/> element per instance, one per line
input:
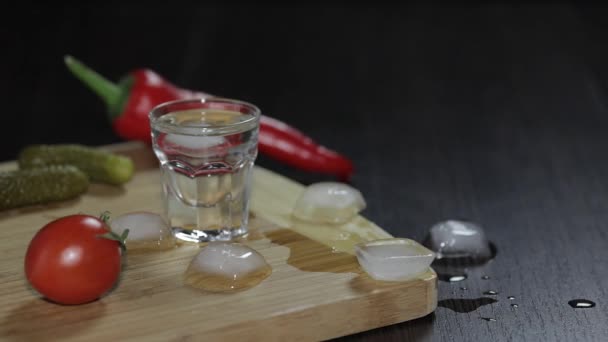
<point x="198" y="236"/>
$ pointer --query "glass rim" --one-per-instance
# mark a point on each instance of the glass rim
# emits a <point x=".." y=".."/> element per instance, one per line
<point x="159" y="110"/>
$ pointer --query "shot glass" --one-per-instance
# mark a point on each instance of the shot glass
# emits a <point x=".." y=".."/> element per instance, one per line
<point x="206" y="149"/>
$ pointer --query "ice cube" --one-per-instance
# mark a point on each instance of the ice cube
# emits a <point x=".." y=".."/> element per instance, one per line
<point x="194" y="142"/>
<point x="329" y="202"/>
<point x="146" y="230"/>
<point x="226" y="266"/>
<point x="193" y="146"/>
<point x="458" y="239"/>
<point x="393" y="259"/>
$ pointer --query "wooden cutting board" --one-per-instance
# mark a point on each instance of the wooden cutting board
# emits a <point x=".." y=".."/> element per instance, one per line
<point x="316" y="290"/>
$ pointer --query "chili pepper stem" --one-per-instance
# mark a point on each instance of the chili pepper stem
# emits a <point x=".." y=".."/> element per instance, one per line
<point x="114" y="95"/>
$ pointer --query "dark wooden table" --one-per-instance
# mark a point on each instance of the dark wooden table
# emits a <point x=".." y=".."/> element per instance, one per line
<point x="495" y="114"/>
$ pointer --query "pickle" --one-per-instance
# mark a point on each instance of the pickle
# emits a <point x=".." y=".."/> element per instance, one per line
<point x="41" y="185"/>
<point x="101" y="166"/>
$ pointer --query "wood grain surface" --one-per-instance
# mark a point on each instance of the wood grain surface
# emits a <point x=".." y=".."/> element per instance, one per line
<point x="495" y="112"/>
<point x="316" y="290"/>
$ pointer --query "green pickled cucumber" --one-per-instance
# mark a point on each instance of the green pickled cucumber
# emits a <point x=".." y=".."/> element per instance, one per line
<point x="101" y="166"/>
<point x="41" y="185"/>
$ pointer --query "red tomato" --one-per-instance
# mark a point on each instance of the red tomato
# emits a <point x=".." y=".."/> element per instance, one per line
<point x="68" y="261"/>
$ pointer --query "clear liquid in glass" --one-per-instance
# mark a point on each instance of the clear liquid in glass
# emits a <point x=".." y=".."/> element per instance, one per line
<point x="206" y="171"/>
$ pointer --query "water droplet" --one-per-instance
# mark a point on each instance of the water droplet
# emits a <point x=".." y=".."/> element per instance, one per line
<point x="515" y="305"/>
<point x="451" y="278"/>
<point x="490" y="293"/>
<point x="465" y="305"/>
<point x="489" y="319"/>
<point x="510" y="298"/>
<point x="581" y="303"/>
<point x="485" y="277"/>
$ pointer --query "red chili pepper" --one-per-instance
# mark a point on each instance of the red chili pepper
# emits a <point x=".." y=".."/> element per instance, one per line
<point x="129" y="102"/>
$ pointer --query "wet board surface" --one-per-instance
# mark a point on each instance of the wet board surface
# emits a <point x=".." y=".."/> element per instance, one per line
<point x="316" y="290"/>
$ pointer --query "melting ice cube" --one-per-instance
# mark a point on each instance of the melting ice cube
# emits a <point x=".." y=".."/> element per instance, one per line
<point x="329" y="202"/>
<point x="458" y="239"/>
<point x="146" y="230"/>
<point x="225" y="266"/>
<point x="394" y="259"/>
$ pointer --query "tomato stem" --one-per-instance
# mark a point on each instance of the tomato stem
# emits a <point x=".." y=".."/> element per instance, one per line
<point x="121" y="239"/>
<point x="110" y="235"/>
<point x="105" y="216"/>
<point x="123" y="236"/>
